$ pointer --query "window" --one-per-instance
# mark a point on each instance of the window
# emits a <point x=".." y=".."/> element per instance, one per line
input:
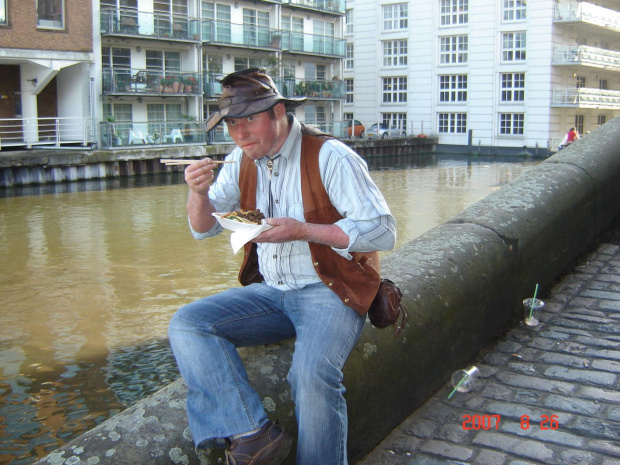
<point x="580" y="82"/>
<point x="349" y="91"/>
<point x="323" y="37"/>
<point x="294" y="25"/>
<point x="602" y="84"/>
<point x="513" y="46"/>
<point x="514" y="10"/>
<point x="242" y="63"/>
<point x="50" y="14"/>
<point x="256" y="27"/>
<point x="513" y="87"/>
<point x="453" y="49"/>
<point x="348" y="21"/>
<point x="600" y="119"/>
<point x="216" y="22"/>
<point x="394" y="53"/>
<point x="349" y="57"/>
<point x="398" y="120"/>
<point x="3" y="12"/>
<point x="395" y="17"/>
<point x="453" y="88"/>
<point x="579" y="123"/>
<point x="511" y="123"/>
<point x="115" y="57"/>
<point x="454" y="12"/>
<point x="165" y="61"/>
<point x="394" y="90"/>
<point x="452" y="123"/>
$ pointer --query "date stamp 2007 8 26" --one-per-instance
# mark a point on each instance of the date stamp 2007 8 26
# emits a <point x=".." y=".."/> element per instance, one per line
<point x="478" y="422"/>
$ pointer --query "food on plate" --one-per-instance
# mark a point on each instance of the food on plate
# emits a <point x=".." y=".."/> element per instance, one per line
<point x="245" y="216"/>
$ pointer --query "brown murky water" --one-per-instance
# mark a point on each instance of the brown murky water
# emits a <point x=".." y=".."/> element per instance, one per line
<point x="90" y="278"/>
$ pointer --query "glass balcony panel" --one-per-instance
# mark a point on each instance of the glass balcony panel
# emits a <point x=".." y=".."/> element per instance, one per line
<point x="588" y="13"/>
<point x="329" y="6"/>
<point x="145" y="82"/>
<point x="313" y="44"/>
<point x="136" y="133"/>
<point x="586" y="98"/>
<point x="587" y="56"/>
<point x="144" y="24"/>
<point x="243" y="35"/>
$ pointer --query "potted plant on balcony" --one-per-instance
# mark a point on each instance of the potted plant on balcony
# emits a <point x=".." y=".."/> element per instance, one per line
<point x="190" y="82"/>
<point x="300" y="89"/>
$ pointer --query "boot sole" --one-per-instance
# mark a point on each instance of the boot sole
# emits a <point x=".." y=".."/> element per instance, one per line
<point x="278" y="453"/>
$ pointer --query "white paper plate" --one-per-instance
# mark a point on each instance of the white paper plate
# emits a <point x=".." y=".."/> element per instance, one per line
<point x="233" y="225"/>
<point x="242" y="233"/>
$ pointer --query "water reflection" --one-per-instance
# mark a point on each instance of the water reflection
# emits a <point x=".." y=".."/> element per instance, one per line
<point x="92" y="272"/>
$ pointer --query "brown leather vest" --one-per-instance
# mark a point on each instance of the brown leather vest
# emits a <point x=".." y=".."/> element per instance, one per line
<point x="355" y="281"/>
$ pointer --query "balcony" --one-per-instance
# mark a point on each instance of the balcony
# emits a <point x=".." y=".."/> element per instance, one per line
<point x="212" y="88"/>
<point x="124" y="134"/>
<point x="587" y="56"/>
<point x="325" y="6"/>
<point x="314" y="90"/>
<point x="145" y="25"/>
<point x="150" y="82"/>
<point x="310" y="44"/>
<point x="240" y="35"/>
<point x="49" y="132"/>
<point x="586" y="98"/>
<point x="588" y="14"/>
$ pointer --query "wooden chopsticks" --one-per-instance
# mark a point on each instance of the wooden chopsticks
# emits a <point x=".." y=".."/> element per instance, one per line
<point x="174" y="161"/>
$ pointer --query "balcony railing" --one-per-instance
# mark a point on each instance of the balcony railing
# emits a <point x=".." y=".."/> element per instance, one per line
<point x="313" y="44"/>
<point x="212" y="88"/>
<point x="242" y="35"/>
<point x="587" y="56"/>
<point x="312" y="89"/>
<point x="125" y="134"/>
<point x="145" y="82"/>
<point x="588" y="13"/>
<point x="128" y="22"/>
<point x="328" y="6"/>
<point x="586" y="98"/>
<point x="55" y="132"/>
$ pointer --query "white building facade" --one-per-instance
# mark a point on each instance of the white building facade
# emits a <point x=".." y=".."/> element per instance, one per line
<point x="500" y="73"/>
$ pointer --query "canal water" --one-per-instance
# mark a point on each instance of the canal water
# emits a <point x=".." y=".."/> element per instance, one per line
<point x="91" y="272"/>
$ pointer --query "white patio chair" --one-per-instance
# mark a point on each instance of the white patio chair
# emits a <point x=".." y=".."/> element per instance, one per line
<point x="174" y="135"/>
<point x="136" y="139"/>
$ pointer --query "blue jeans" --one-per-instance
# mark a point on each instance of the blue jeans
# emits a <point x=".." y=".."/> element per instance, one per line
<point x="204" y="336"/>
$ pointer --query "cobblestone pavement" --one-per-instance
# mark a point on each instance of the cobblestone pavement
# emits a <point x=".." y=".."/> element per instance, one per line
<point x="548" y="394"/>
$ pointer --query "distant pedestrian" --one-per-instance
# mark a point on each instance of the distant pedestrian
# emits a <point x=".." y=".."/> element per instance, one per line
<point x="571" y="136"/>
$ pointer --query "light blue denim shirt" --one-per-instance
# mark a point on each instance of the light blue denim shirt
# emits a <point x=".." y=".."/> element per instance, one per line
<point x="367" y="218"/>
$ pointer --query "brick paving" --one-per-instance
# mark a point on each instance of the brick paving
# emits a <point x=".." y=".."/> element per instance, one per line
<point x="548" y="394"/>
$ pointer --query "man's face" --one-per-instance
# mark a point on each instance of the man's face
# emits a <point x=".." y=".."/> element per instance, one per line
<point x="258" y="135"/>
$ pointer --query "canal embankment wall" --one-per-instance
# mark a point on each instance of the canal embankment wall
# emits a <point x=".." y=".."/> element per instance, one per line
<point x="463" y="282"/>
<point x="45" y="166"/>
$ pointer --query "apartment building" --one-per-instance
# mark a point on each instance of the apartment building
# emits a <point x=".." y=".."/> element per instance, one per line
<point x="46" y="52"/>
<point x="144" y="72"/>
<point x="500" y="73"/>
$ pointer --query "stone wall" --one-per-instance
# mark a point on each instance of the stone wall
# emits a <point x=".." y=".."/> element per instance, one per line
<point x="463" y="283"/>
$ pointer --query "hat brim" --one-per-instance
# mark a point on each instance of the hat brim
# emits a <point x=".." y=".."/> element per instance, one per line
<point x="243" y="109"/>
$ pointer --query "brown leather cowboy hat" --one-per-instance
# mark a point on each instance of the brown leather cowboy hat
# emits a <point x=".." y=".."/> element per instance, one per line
<point x="246" y="93"/>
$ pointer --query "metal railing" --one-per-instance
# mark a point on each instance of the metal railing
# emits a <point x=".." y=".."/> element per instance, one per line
<point x="314" y="89"/>
<point x="144" y="24"/>
<point x="329" y="6"/>
<point x="313" y="44"/>
<point x="142" y="81"/>
<point x="587" y="13"/>
<point x="586" y="56"/>
<point x="53" y="132"/>
<point x="243" y="35"/>
<point x="124" y="134"/>
<point x="586" y="98"/>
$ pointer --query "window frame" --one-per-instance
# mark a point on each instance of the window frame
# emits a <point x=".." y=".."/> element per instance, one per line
<point x="395" y="17"/>
<point x="512" y="12"/>
<point x="454" y="49"/>
<point x="514" y="46"/>
<point x="452" y="88"/>
<point x="54" y="24"/>
<point x="349" y="87"/>
<point x="511" y="124"/>
<point x="397" y="57"/>
<point x="453" y="12"/>
<point x="4" y="17"/>
<point x="394" y="89"/>
<point x="455" y="123"/>
<point x="349" y="59"/>
<point x="512" y="87"/>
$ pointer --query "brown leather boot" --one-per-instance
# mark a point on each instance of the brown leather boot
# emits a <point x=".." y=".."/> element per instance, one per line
<point x="268" y="446"/>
